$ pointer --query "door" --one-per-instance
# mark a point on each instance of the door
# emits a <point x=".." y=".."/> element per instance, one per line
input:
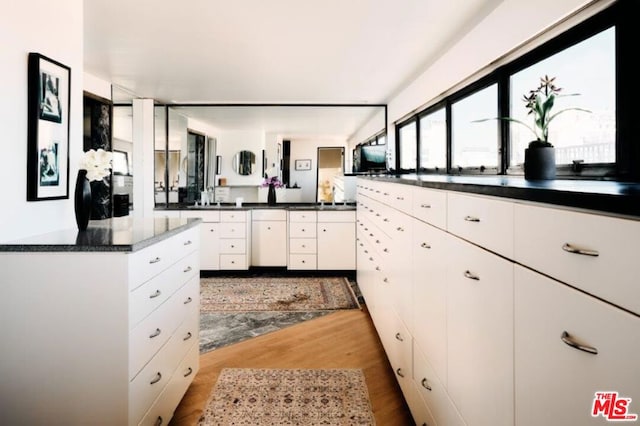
<point x="330" y="164"/>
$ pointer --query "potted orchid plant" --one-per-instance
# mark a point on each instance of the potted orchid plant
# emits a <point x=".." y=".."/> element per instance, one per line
<point x="272" y="183"/>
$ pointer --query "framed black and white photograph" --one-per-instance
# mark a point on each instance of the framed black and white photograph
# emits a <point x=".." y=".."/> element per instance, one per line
<point x="303" y="164"/>
<point x="48" y="129"/>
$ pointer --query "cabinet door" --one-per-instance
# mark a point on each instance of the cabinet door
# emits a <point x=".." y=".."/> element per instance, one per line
<point x="209" y="246"/>
<point x="555" y="383"/>
<point x="336" y="246"/>
<point x="269" y="243"/>
<point x="480" y="334"/>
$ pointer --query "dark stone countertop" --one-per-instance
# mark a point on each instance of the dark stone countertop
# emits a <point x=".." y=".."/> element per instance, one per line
<point x="617" y="198"/>
<point x="261" y="206"/>
<point x="122" y="234"/>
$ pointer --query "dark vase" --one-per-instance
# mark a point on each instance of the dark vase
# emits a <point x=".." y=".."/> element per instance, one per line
<point x="540" y="163"/>
<point x="271" y="195"/>
<point x="82" y="200"/>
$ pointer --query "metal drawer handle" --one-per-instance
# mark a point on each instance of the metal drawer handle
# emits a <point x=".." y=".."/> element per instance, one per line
<point x="156" y="260"/>
<point x="386" y="280"/>
<point x="399" y="228"/>
<point x="425" y="206"/>
<point x="472" y="219"/>
<point x="187" y="337"/>
<point x="385" y="193"/>
<point x="155" y="333"/>
<point x="187" y="243"/>
<point x="371" y="259"/>
<point x="385" y="220"/>
<point x="269" y="228"/>
<point x="425" y="245"/>
<point x="377" y="268"/>
<point x="159" y="421"/>
<point x="188" y="269"/>
<point x="425" y="384"/>
<point x="567" y="339"/>
<point x="471" y="275"/>
<point x="156" y="379"/>
<point x="400" y="198"/>
<point x="156" y="294"/>
<point x="189" y="300"/>
<point x="399" y="337"/>
<point x="385" y="250"/>
<point x="399" y="372"/>
<point x="188" y="373"/>
<point x="585" y="252"/>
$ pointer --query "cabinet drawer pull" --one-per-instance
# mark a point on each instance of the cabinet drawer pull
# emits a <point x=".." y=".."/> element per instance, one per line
<point x="156" y="379"/>
<point x="385" y="250"/>
<point x="187" y="337"/>
<point x="371" y="259"/>
<point x="268" y="228"/>
<point x="377" y="268"/>
<point x="155" y="333"/>
<point x="187" y="269"/>
<point x="567" y="339"/>
<point x="425" y="384"/>
<point x="399" y="372"/>
<point x="472" y="219"/>
<point x="400" y="198"/>
<point x="385" y="220"/>
<point x="425" y="206"/>
<point x="189" y="300"/>
<point x="425" y="245"/>
<point x="399" y="337"/>
<point x="212" y="230"/>
<point x="156" y="294"/>
<point x="399" y="228"/>
<point x="188" y="243"/>
<point x="159" y="421"/>
<point x="304" y="246"/>
<point x="188" y="373"/>
<point x="386" y="280"/>
<point x="585" y="252"/>
<point x="156" y="260"/>
<point x="303" y="261"/>
<point x="471" y="276"/>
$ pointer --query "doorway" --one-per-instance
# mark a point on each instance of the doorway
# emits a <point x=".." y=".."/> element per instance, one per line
<point x="330" y="164"/>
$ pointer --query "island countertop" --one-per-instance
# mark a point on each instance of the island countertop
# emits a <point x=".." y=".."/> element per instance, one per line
<point x="121" y="234"/>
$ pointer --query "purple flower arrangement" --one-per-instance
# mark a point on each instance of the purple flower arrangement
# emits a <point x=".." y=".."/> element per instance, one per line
<point x="272" y="181"/>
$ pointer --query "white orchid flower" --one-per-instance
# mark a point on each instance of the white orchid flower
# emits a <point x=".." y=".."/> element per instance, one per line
<point x="97" y="163"/>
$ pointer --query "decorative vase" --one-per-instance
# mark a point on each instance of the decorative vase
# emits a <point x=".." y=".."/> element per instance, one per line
<point x="540" y="163"/>
<point x="82" y="200"/>
<point x="271" y="195"/>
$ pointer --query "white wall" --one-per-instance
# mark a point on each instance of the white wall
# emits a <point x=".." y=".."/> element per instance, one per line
<point x="307" y="149"/>
<point x="26" y="27"/>
<point x="97" y="86"/>
<point x="229" y="143"/>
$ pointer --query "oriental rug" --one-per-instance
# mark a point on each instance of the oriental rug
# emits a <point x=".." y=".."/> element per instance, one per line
<point x="244" y="396"/>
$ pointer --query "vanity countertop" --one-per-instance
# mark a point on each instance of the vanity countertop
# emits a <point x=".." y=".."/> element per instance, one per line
<point x="121" y="234"/>
<point x="260" y="206"/>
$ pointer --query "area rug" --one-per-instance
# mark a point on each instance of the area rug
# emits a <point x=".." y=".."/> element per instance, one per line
<point x="223" y="294"/>
<point x="241" y="396"/>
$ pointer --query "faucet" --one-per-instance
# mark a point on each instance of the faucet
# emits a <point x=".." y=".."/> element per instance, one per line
<point x="333" y="195"/>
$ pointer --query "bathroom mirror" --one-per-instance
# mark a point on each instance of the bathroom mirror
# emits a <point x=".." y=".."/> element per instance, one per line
<point x="244" y="163"/>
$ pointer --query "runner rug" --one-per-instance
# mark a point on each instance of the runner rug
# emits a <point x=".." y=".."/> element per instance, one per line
<point x="242" y="396"/>
<point x="223" y="294"/>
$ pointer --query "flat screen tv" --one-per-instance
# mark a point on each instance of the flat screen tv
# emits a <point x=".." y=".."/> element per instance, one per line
<point x="372" y="158"/>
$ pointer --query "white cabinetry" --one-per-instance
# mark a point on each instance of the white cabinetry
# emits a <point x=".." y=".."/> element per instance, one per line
<point x="209" y="237"/>
<point x="235" y="232"/>
<point x="104" y="337"/>
<point x="336" y="233"/>
<point x="269" y="238"/>
<point x="302" y="240"/>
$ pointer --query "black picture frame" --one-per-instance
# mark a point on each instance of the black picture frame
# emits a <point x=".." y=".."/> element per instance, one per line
<point x="303" y="164"/>
<point x="49" y="96"/>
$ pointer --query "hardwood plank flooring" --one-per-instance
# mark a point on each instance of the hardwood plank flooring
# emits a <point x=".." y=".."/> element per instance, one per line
<point x="344" y="339"/>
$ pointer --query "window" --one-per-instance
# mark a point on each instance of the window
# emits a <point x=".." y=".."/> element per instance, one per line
<point x="587" y="69"/>
<point x="407" y="144"/>
<point x="433" y="141"/>
<point x="474" y="144"/>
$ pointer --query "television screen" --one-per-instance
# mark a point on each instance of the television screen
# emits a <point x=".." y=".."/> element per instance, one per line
<point x="373" y="157"/>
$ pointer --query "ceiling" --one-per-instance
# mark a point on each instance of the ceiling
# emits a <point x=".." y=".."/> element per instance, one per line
<point x="270" y="51"/>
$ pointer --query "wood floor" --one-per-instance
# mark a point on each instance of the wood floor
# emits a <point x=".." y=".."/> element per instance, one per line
<point x="344" y="339"/>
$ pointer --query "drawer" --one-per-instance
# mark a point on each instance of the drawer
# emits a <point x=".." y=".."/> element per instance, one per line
<point x="233" y="230"/>
<point x="430" y="205"/>
<point x="302" y="216"/>
<point x="205" y="215"/>
<point x="269" y="214"/>
<point x="233" y="216"/>
<point x="302" y="230"/>
<point x="302" y="245"/>
<point x="144" y="299"/>
<point x="544" y="310"/>
<point x="337" y="216"/>
<point x="302" y="261"/>
<point x="233" y="261"/>
<point x="484" y="221"/>
<point x="398" y="196"/>
<point x="233" y="246"/>
<point x="545" y="238"/>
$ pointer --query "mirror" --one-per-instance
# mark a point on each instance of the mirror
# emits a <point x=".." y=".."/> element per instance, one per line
<point x="244" y="163"/>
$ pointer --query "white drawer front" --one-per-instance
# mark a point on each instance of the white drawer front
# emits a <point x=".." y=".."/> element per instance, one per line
<point x="337" y="216"/>
<point x="302" y="230"/>
<point x="430" y="205"/>
<point x="233" y="246"/>
<point x="484" y="221"/>
<point x="233" y="261"/>
<point x="544" y="310"/>
<point x="398" y="196"/>
<point x="302" y="261"/>
<point x="205" y="215"/>
<point x="268" y="214"/>
<point x="233" y="216"/>
<point x="302" y="216"/>
<point x="233" y="230"/>
<point x="541" y="238"/>
<point x="302" y="245"/>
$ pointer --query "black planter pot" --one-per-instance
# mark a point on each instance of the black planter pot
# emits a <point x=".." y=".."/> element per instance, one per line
<point x="82" y="200"/>
<point x="540" y="163"/>
<point x="271" y="195"/>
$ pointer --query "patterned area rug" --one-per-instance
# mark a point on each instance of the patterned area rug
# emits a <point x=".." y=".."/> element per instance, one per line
<point x="255" y="397"/>
<point x="223" y="294"/>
